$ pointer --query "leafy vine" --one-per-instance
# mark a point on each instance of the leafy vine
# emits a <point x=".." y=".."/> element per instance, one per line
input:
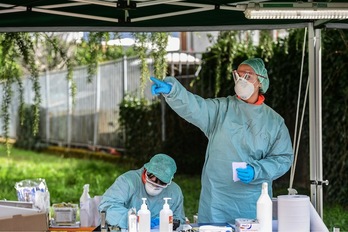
<point x="20" y="55"/>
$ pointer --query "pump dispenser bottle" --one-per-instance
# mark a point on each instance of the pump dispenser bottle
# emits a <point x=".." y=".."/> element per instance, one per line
<point x="144" y="218"/>
<point x="264" y="210"/>
<point x="166" y="217"/>
<point x="85" y="195"/>
<point x="84" y="207"/>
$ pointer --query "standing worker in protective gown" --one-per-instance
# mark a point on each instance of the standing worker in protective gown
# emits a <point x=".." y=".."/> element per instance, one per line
<point x="154" y="182"/>
<point x="240" y="128"/>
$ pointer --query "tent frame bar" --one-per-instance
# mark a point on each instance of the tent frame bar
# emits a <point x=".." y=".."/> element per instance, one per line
<point x="315" y="118"/>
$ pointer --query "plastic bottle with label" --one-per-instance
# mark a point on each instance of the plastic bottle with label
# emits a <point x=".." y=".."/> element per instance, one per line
<point x="264" y="210"/>
<point x="166" y="217"/>
<point x="84" y="207"/>
<point x="144" y="218"/>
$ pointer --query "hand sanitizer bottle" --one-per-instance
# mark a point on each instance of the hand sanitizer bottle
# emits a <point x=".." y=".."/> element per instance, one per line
<point x="144" y="218"/>
<point x="264" y="210"/>
<point x="132" y="220"/>
<point x="166" y="217"/>
<point x="84" y="206"/>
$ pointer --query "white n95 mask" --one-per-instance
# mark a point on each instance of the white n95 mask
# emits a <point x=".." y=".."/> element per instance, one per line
<point x="243" y="88"/>
<point x="152" y="190"/>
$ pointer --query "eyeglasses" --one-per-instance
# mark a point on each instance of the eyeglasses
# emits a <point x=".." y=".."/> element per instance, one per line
<point x="249" y="76"/>
<point x="157" y="182"/>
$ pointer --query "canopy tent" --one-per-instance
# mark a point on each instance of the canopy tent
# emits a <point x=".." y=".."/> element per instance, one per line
<point x="140" y="15"/>
<point x="176" y="15"/>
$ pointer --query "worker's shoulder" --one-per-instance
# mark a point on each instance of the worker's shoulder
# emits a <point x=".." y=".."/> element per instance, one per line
<point x="271" y="113"/>
<point x="175" y="187"/>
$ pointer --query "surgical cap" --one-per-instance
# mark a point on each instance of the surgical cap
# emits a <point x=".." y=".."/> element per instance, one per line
<point x="162" y="166"/>
<point x="259" y="67"/>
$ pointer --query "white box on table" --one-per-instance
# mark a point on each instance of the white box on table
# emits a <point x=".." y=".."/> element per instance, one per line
<point x="247" y="225"/>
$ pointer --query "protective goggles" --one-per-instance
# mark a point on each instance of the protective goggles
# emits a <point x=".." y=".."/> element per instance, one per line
<point x="249" y="76"/>
<point x="157" y="183"/>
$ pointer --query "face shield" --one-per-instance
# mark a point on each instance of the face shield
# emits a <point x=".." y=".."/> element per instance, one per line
<point x="153" y="185"/>
<point x="248" y="76"/>
<point x="157" y="183"/>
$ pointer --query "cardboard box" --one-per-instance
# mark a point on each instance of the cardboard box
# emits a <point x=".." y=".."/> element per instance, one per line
<point x="22" y="204"/>
<point x="34" y="222"/>
<point x="8" y="211"/>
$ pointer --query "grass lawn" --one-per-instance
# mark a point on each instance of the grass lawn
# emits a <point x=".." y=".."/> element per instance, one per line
<point x="65" y="178"/>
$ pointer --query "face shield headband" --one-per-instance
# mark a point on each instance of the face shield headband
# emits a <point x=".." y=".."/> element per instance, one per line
<point x="247" y="76"/>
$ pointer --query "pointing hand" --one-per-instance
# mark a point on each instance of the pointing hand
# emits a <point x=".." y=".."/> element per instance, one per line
<point x="159" y="86"/>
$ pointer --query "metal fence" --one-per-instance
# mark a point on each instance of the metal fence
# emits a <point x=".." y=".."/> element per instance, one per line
<point x="93" y="119"/>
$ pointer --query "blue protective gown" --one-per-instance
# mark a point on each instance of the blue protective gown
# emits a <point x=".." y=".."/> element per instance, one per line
<point x="126" y="192"/>
<point x="236" y="132"/>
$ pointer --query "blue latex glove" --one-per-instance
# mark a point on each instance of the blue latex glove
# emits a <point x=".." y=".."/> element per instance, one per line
<point x="154" y="222"/>
<point x="159" y="86"/>
<point x="246" y="175"/>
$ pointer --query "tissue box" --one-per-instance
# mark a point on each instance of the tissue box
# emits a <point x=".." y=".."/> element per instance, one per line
<point x="65" y="213"/>
<point x="247" y="225"/>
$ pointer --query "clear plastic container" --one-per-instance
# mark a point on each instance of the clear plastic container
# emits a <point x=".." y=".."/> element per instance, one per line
<point x="65" y="213"/>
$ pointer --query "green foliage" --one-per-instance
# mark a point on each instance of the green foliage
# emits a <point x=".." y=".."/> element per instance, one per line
<point x="25" y="138"/>
<point x="16" y="47"/>
<point x="335" y="215"/>
<point x="141" y="126"/>
<point x="65" y="177"/>
<point x="95" y="50"/>
<point x="334" y="114"/>
<point x="159" y="41"/>
<point x="141" y="39"/>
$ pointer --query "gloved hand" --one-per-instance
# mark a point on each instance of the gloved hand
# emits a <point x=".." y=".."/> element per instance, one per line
<point x="159" y="86"/>
<point x="246" y="175"/>
<point x="154" y="222"/>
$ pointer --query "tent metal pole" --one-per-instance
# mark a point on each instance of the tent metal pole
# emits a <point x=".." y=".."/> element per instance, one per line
<point x="315" y="118"/>
<point x="319" y="124"/>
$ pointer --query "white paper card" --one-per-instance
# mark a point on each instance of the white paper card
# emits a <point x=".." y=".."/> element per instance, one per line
<point x="236" y="165"/>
